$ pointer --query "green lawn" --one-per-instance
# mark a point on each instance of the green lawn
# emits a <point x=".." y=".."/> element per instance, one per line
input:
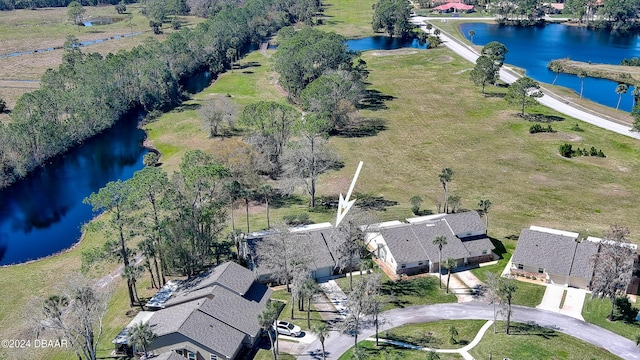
<point x="299" y="317"/>
<point x="528" y="294"/>
<point x="386" y="351"/>
<point x="531" y="343"/>
<point x="263" y="354"/>
<point x="435" y="335"/>
<point x="596" y="311"/>
<point x="351" y="19"/>
<point x="417" y="291"/>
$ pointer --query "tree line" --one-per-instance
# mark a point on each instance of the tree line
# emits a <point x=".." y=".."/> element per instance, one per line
<point x="90" y="92"/>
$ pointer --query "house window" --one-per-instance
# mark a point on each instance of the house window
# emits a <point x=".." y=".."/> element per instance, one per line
<point x="484" y="252"/>
<point x="403" y="266"/>
<point x="191" y="356"/>
<point x="420" y="263"/>
<point x="520" y="267"/>
<point x="540" y="270"/>
<point x="214" y="357"/>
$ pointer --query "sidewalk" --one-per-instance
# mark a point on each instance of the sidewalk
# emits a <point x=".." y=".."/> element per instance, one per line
<point x="464" y="351"/>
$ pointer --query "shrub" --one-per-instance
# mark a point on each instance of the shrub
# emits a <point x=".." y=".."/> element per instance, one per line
<point x="566" y="150"/>
<point x="626" y="310"/>
<point x="537" y="128"/>
<point x="577" y="128"/>
<point x="3" y="105"/>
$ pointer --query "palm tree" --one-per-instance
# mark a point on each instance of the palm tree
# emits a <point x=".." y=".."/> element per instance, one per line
<point x="484" y="205"/>
<point x="131" y="273"/>
<point x="440" y="241"/>
<point x="266" y="320"/>
<point x="453" y="332"/>
<point x="582" y="74"/>
<point x="556" y="67"/>
<point x="621" y="89"/>
<point x="471" y="35"/>
<point x="266" y="192"/>
<point x="445" y="178"/>
<point x="433" y="355"/>
<point x="246" y="194"/>
<point x="636" y="94"/>
<point x="449" y="264"/>
<point x="429" y="27"/>
<point x="140" y="336"/>
<point x="310" y="289"/>
<point x="322" y="332"/>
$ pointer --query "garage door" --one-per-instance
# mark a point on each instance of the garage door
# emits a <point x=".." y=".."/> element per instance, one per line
<point x="323" y="272"/>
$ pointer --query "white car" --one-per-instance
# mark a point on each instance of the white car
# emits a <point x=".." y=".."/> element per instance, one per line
<point x="286" y="328"/>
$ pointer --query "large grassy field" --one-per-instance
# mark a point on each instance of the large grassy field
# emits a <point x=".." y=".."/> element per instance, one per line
<point x="434" y="118"/>
<point x="29" y="30"/>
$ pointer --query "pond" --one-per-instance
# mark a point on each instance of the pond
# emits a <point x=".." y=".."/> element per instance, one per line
<point x="383" y="43"/>
<point x="532" y="48"/>
<point x="43" y="214"/>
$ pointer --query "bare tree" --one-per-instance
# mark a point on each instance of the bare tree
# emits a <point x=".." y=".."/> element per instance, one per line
<point x="613" y="268"/>
<point x="617" y="232"/>
<point x="216" y="112"/>
<point x="75" y="314"/>
<point x="351" y="239"/>
<point x="492" y="284"/>
<point x="310" y="156"/>
<point x="360" y="303"/>
<point x="283" y="254"/>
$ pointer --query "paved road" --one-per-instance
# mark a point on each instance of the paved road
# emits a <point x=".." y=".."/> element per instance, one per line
<point x="338" y="343"/>
<point x="508" y="76"/>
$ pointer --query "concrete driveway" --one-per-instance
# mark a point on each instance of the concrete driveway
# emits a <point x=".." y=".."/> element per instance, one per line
<point x="573" y="300"/>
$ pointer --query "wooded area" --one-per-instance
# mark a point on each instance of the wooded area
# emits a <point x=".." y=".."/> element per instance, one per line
<point x="89" y="92"/>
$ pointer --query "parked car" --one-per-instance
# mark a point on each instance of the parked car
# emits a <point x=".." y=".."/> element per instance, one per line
<point x="286" y="328"/>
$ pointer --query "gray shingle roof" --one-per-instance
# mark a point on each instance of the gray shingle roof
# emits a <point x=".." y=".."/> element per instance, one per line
<point x="465" y="222"/>
<point x="238" y="312"/>
<point x="320" y="245"/>
<point x="217" y="317"/>
<point x="212" y="333"/>
<point x="229" y="275"/>
<point x="552" y="252"/>
<point x="426" y="233"/>
<point x="414" y="242"/>
<point x="403" y="244"/>
<point x="477" y="244"/>
<point x="583" y="263"/>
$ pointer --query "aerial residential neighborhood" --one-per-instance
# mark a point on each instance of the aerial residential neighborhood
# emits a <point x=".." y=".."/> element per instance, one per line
<point x="288" y="179"/>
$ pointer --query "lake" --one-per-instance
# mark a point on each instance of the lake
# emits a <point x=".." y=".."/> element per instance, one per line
<point x="43" y="214"/>
<point x="532" y="48"/>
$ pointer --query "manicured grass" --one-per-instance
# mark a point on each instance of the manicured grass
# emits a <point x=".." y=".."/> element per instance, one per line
<point x="530" y="342"/>
<point x="266" y="354"/>
<point x="417" y="291"/>
<point x="596" y="311"/>
<point x="351" y="19"/>
<point x="435" y="335"/>
<point x="528" y="294"/>
<point x="387" y="351"/>
<point x="300" y="317"/>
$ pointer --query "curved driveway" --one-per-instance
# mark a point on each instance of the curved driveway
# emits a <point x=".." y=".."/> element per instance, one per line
<point x="339" y="343"/>
<point x="507" y="76"/>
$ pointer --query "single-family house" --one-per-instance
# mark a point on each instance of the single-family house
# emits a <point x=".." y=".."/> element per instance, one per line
<point x="320" y="243"/>
<point x="557" y="256"/>
<point x="208" y="317"/>
<point x="408" y="248"/>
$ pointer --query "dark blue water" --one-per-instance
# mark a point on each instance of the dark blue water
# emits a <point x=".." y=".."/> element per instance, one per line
<point x="533" y="47"/>
<point x="42" y="214"/>
<point x="383" y="43"/>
